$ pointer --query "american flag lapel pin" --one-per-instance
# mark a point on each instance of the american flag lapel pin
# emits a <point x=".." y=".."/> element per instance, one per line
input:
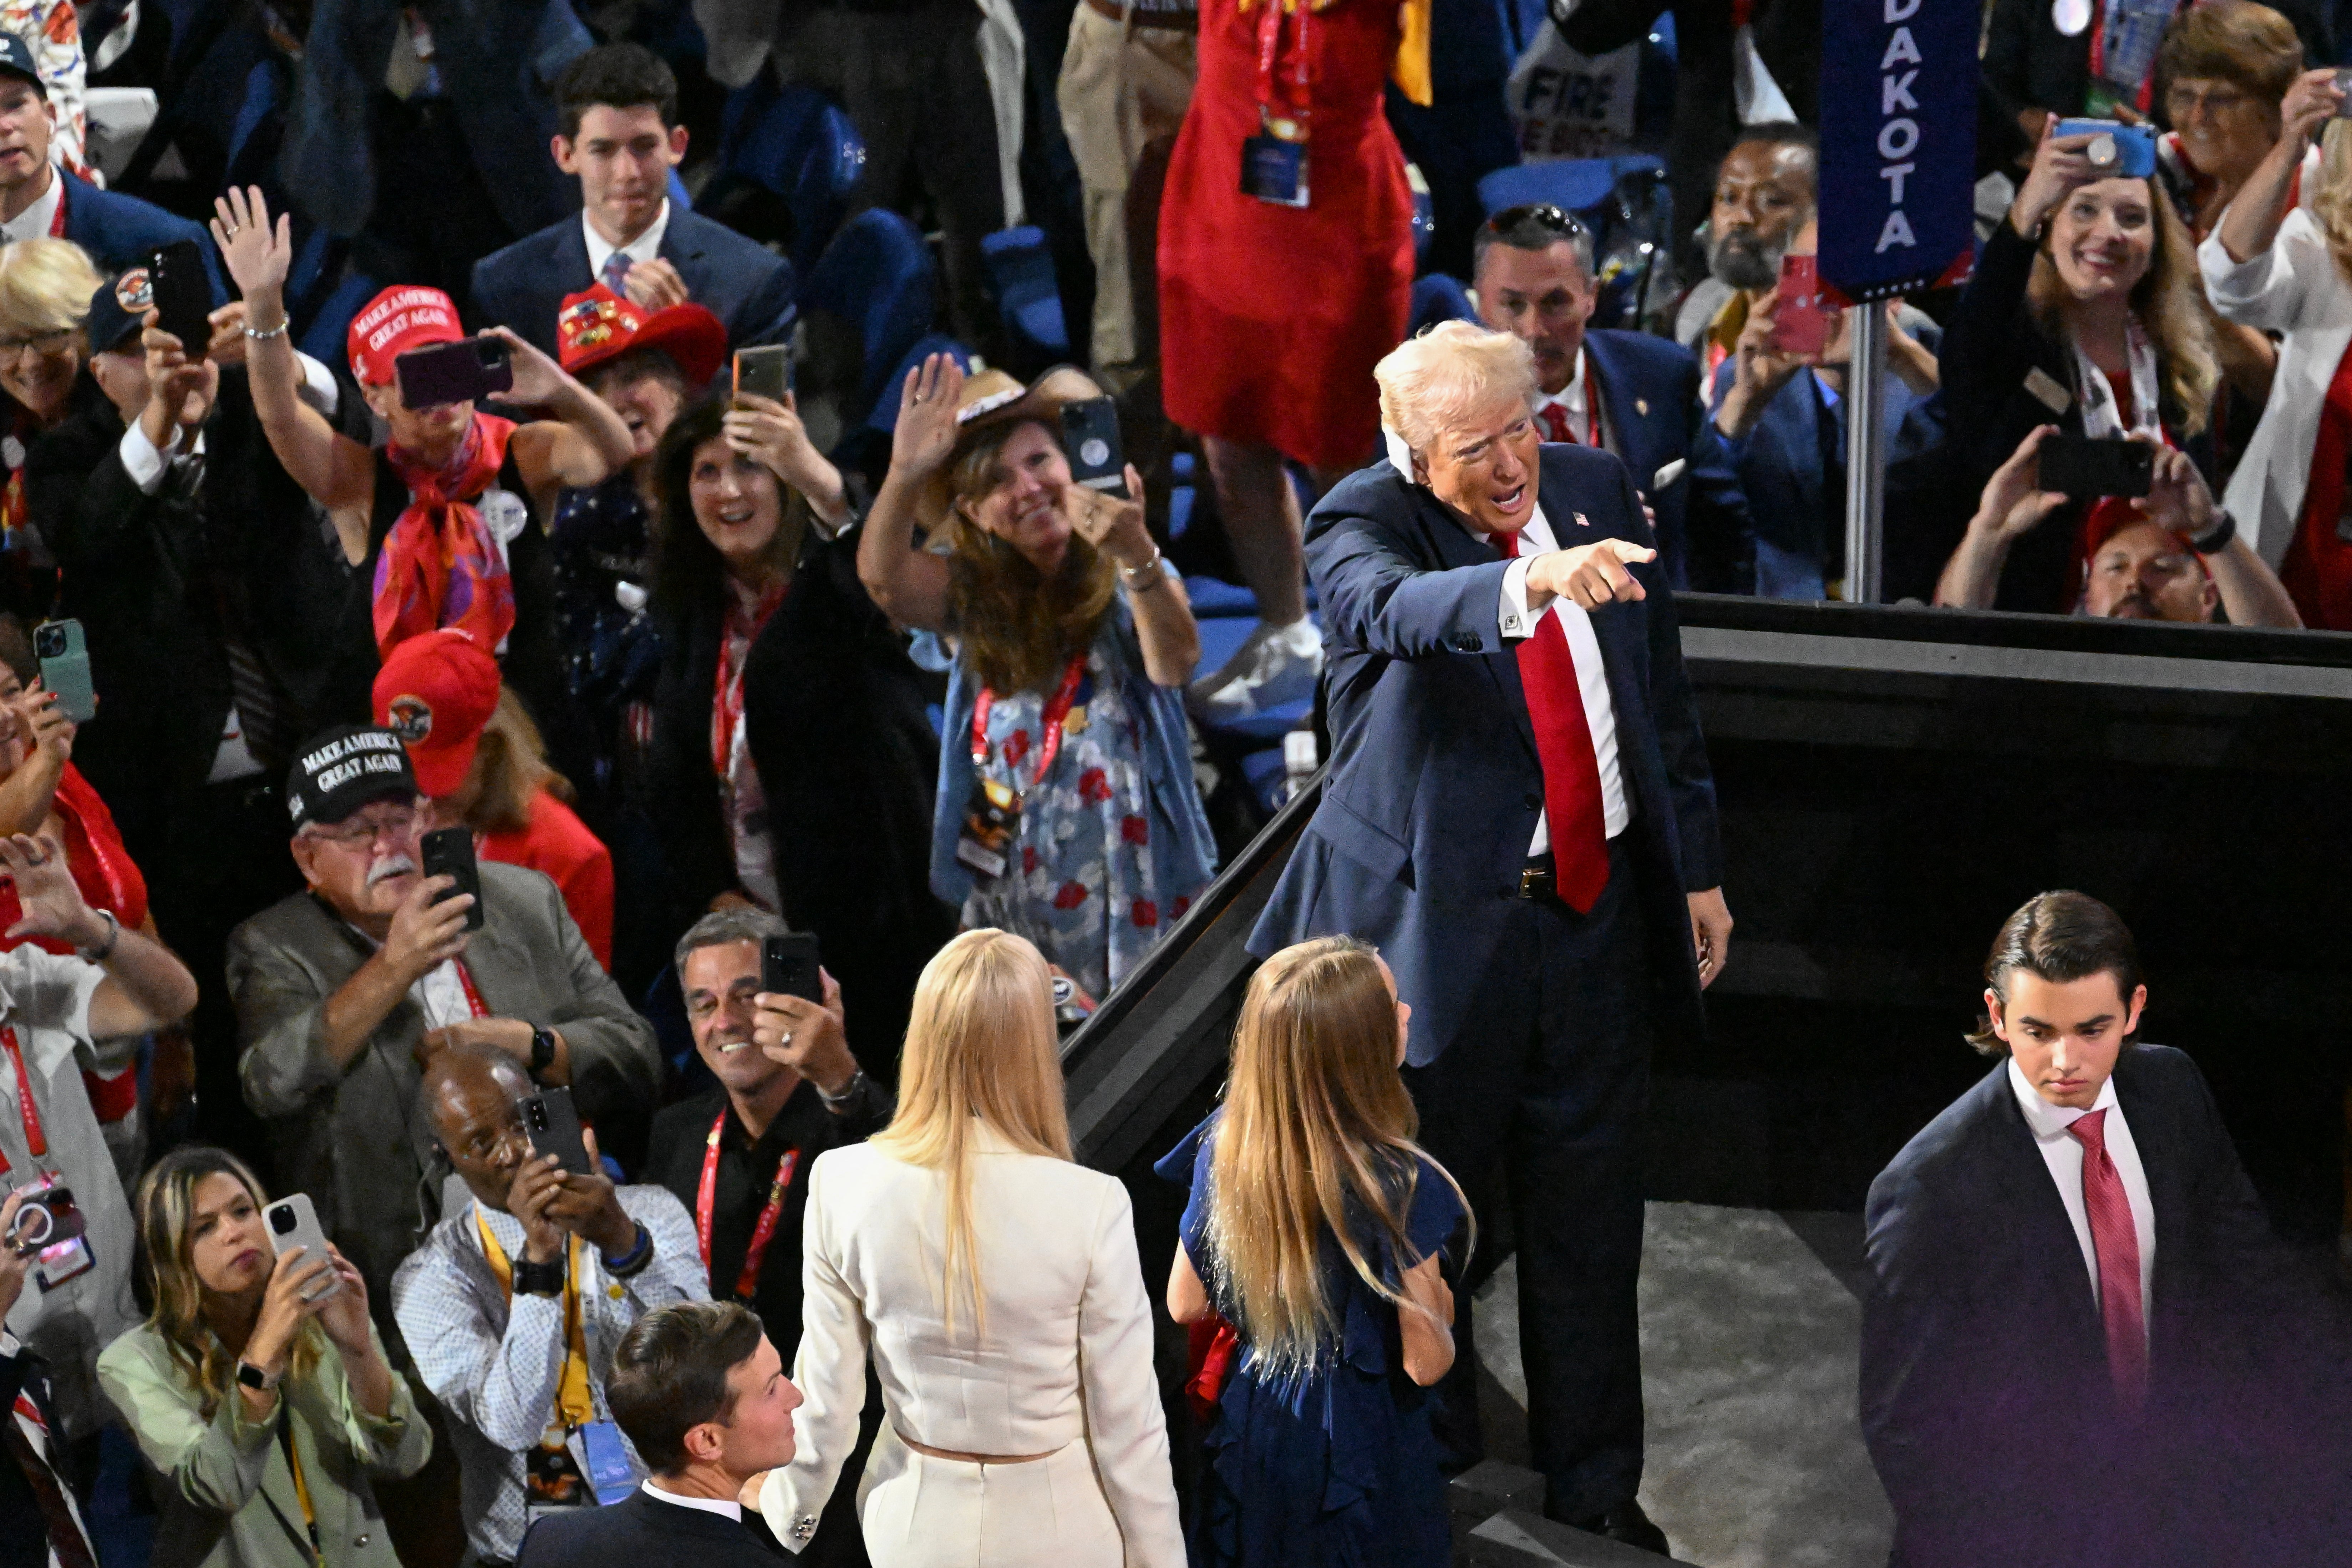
<point x="1582" y="520"/>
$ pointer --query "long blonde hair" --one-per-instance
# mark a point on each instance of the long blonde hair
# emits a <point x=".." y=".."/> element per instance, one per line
<point x="1318" y="1137"/>
<point x="166" y="1208"/>
<point x="2331" y="204"/>
<point x="981" y="1048"/>
<point x="2170" y="304"/>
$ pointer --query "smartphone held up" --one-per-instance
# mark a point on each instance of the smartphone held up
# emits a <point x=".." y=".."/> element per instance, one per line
<point x="1800" y="316"/>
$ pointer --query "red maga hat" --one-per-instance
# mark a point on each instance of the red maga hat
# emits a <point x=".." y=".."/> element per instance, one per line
<point x="597" y="326"/>
<point x="403" y="316"/>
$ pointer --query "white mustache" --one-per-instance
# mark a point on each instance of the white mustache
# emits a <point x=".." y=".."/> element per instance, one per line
<point x="391" y="865"/>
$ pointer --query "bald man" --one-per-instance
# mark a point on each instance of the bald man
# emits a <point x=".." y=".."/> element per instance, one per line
<point x="485" y="1302"/>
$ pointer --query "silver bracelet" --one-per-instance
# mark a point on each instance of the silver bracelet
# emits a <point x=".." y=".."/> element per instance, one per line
<point x="276" y="331"/>
<point x="105" y="950"/>
<point x="1145" y="574"/>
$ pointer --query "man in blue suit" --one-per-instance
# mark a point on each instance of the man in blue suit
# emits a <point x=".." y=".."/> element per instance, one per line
<point x="1627" y="392"/>
<point x="2081" y="1343"/>
<point x="38" y="198"/>
<point x="620" y="135"/>
<point x="1519" y="812"/>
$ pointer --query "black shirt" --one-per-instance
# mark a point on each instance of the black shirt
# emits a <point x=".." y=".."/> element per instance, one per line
<point x="674" y="1158"/>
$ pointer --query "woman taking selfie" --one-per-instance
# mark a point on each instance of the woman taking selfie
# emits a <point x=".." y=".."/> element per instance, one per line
<point x="257" y="1388"/>
<point x="2084" y="312"/>
<point x="1313" y="1230"/>
<point x="993" y="1283"/>
<point x="1067" y="808"/>
<point x="791" y="759"/>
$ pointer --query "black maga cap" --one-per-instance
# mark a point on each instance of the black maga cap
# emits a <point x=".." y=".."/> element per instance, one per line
<point x="341" y="769"/>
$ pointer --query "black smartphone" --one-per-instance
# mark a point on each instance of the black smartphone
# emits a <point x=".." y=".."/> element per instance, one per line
<point x="65" y="668"/>
<point x="449" y="852"/>
<point x="788" y="967"/>
<point x="464" y="372"/>
<point x="2084" y="468"/>
<point x="764" y="371"/>
<point x="183" y="295"/>
<point x="1090" y="441"/>
<point x="553" y="1123"/>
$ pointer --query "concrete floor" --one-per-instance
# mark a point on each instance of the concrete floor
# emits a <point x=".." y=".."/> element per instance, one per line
<point x="1750" y="1329"/>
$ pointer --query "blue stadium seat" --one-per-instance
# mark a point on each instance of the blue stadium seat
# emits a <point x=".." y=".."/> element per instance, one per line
<point x="1439" y="298"/>
<point x="794" y="143"/>
<point x="1582" y="186"/>
<point x="1214" y="596"/>
<point x="1021" y="279"/>
<point x="877" y="275"/>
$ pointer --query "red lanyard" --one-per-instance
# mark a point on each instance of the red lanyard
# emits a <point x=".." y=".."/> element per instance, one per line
<point x="1057" y="708"/>
<point x="473" y="997"/>
<point x="727" y="710"/>
<point x="706" y="1200"/>
<point x="1269" y="42"/>
<point x="35" y="1139"/>
<point x="58" y="221"/>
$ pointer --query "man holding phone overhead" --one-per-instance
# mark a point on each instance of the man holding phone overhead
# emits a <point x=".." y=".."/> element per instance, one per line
<point x="345" y="992"/>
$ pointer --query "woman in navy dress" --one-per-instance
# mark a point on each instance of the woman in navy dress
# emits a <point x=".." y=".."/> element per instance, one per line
<point x="1314" y="1231"/>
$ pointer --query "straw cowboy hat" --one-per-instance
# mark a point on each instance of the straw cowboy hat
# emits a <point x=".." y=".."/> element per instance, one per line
<point x="994" y="398"/>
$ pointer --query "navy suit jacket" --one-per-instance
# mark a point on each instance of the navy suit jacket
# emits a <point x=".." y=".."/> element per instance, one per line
<point x="1434" y="785"/>
<point x="1986" y="1398"/>
<point x="744" y="284"/>
<point x="119" y="231"/>
<point x="639" y="1531"/>
<point x="1650" y="408"/>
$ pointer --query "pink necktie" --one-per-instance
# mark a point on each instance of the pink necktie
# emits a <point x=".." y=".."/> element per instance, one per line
<point x="2117" y="1242"/>
<point x="1571" y="772"/>
<point x="1555" y="423"/>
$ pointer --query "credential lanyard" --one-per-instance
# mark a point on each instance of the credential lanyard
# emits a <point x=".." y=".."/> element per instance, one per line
<point x="473" y="997"/>
<point x="573" y="1400"/>
<point x="706" y="1199"/>
<point x="301" y="1487"/>
<point x="36" y="1140"/>
<point x="1057" y="708"/>
<point x="1269" y="46"/>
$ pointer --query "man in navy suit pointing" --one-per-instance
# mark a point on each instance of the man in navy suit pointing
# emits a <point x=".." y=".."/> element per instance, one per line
<point x="1519" y="811"/>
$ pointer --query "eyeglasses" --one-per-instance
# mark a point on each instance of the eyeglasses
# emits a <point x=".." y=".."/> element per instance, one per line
<point x="399" y="822"/>
<point x="1553" y="220"/>
<point x="40" y="343"/>
<point x="2180" y="101"/>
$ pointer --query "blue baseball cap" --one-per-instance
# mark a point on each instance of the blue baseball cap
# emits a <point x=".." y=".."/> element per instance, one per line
<point x="16" y="59"/>
<point x="116" y="311"/>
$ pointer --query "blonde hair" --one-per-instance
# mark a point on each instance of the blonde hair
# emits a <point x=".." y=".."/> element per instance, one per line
<point x="2331" y="205"/>
<point x="44" y="285"/>
<point x="980" y="1049"/>
<point x="1316" y="1137"/>
<point x="167" y="1211"/>
<point x="511" y="761"/>
<point x="2170" y="304"/>
<point x="1433" y="382"/>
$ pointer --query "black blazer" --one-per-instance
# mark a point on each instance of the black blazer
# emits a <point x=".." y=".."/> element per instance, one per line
<point x="846" y="753"/>
<point x="1986" y="1399"/>
<point x="742" y="282"/>
<point x="639" y="1532"/>
<point x="24" y="1532"/>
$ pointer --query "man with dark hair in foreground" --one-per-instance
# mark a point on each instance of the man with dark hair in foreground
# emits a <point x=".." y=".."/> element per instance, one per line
<point x="702" y="1394"/>
<point x="2081" y="1343"/>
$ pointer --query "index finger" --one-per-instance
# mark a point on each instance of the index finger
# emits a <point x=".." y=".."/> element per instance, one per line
<point x="1626" y="550"/>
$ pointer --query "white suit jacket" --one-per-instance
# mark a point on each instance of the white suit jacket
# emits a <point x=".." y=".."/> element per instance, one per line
<point x="1065" y="1357"/>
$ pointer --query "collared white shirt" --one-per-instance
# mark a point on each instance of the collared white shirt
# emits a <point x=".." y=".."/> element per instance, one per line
<point x="726" y="1508"/>
<point x="34" y="221"/>
<point x="1576" y="401"/>
<point x="2062" y="1152"/>
<point x="645" y="247"/>
<point x="1517" y="624"/>
<point x="440" y="994"/>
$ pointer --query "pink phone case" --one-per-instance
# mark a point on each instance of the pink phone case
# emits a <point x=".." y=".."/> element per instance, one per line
<point x="1800" y="324"/>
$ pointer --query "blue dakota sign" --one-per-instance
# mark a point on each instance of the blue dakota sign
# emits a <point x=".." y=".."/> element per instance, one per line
<point x="1898" y="144"/>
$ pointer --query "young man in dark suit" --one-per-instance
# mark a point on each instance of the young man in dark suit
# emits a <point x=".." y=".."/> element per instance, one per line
<point x="1519" y="813"/>
<point x="621" y="137"/>
<point x="2081" y="1343"/>
<point x="702" y="1394"/>
<point x="38" y="198"/>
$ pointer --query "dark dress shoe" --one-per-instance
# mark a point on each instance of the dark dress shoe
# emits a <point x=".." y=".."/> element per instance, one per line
<point x="1627" y="1522"/>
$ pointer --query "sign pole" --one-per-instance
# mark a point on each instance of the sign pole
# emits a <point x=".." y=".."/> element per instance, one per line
<point x="1866" y="452"/>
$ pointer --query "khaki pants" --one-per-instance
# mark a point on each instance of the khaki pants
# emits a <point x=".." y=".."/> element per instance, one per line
<point x="1123" y="93"/>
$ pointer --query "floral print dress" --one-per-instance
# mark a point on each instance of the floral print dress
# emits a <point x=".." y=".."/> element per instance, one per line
<point x="1081" y="884"/>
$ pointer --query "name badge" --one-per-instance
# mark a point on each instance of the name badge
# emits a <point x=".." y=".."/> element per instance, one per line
<point x="1275" y="170"/>
<point x="606" y="1459"/>
<point x="992" y="817"/>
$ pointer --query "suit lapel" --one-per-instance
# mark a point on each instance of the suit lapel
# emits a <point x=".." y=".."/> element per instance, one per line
<point x="572" y="255"/>
<point x="1452" y="545"/>
<point x="677" y="244"/>
<point x="2043" y="1229"/>
<point x="1620" y="420"/>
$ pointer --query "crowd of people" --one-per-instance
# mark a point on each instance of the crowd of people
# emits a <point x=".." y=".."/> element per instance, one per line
<point x="432" y="726"/>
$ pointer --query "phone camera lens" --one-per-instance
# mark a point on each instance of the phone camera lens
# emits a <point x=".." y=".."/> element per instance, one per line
<point x="50" y="643"/>
<point x="282" y="1221"/>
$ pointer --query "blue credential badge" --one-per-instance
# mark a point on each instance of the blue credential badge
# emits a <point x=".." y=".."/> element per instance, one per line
<point x="1274" y="170"/>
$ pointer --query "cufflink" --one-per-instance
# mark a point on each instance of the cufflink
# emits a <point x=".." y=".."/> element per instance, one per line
<point x="804" y="1527"/>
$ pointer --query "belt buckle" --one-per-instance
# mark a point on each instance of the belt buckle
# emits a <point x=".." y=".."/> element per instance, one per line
<point x="1534" y="882"/>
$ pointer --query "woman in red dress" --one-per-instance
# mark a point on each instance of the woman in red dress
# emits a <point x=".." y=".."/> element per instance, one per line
<point x="1273" y="311"/>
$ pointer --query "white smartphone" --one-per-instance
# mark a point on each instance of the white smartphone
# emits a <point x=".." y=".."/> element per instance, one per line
<point x="293" y="1223"/>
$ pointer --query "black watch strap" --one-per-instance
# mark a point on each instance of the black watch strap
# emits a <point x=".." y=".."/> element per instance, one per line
<point x="538" y="1279"/>
<point x="542" y="1049"/>
<point x="253" y="1376"/>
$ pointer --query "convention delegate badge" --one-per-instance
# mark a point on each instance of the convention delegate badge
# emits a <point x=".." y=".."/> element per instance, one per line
<point x="990" y="816"/>
<point x="1273" y="169"/>
<point x="607" y="1462"/>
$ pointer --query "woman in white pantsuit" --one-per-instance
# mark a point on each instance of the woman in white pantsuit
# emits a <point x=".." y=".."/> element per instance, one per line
<point x="996" y="1286"/>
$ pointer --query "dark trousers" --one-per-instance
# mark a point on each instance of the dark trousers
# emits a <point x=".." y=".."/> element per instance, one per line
<point x="1537" y="1105"/>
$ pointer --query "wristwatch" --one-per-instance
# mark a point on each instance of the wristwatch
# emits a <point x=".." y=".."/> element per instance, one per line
<point x="254" y="1377"/>
<point x="538" y="1279"/>
<point x="542" y="1049"/>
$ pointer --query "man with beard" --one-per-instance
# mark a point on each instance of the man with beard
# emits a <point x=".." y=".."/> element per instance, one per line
<point x="2173" y="556"/>
<point x="346" y="991"/>
<point x="1764" y="193"/>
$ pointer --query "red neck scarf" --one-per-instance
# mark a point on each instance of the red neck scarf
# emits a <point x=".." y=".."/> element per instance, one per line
<point x="440" y="565"/>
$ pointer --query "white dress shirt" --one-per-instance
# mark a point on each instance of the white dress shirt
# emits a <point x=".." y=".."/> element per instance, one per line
<point x="645" y="247"/>
<point x="34" y="221"/>
<point x="726" y="1507"/>
<point x="2064" y="1155"/>
<point x="1576" y="402"/>
<point x="1518" y="623"/>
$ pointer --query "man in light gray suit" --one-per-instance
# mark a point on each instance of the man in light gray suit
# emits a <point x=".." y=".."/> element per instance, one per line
<point x="343" y="992"/>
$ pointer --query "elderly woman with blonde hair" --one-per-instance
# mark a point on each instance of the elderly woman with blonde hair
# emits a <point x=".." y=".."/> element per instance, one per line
<point x="993" y="1284"/>
<point x="1518" y="812"/>
<point x="45" y="291"/>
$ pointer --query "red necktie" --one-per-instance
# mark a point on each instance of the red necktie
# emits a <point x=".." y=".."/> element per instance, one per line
<point x="1572" y="773"/>
<point x="64" y="1526"/>
<point x="2117" y="1242"/>
<point x="1555" y="423"/>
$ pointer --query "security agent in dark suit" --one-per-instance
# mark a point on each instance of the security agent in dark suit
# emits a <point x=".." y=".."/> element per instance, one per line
<point x="620" y="135"/>
<point x="2081" y="1344"/>
<point x="1533" y="847"/>
<point x="701" y="1394"/>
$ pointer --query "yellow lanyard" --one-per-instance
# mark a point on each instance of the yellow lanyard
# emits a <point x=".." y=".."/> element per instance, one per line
<point x="573" y="1400"/>
<point x="301" y="1487"/>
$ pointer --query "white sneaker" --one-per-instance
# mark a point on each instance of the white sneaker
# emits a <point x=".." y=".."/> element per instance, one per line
<point x="1273" y="667"/>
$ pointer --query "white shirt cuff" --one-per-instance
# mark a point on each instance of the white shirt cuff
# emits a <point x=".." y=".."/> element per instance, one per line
<point x="1516" y="621"/>
<point x="317" y="389"/>
<point x="141" y="460"/>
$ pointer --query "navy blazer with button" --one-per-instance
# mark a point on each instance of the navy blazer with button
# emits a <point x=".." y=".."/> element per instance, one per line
<point x="1434" y="786"/>
<point x="641" y="1529"/>
<point x="744" y="284"/>
<point x="119" y="231"/>
<point x="1650" y="411"/>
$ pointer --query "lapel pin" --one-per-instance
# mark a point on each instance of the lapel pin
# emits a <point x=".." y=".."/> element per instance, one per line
<point x="1642" y="406"/>
<point x="1582" y="520"/>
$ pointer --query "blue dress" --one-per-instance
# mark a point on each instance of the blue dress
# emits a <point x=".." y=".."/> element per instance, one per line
<point x="1335" y="1467"/>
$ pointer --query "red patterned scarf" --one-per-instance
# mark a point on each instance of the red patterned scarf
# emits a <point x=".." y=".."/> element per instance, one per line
<point x="440" y="565"/>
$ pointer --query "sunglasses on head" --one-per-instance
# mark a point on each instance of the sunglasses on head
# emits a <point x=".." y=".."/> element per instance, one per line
<point x="1541" y="214"/>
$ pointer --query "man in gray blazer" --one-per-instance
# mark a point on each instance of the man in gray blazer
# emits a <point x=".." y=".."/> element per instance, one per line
<point x="345" y="991"/>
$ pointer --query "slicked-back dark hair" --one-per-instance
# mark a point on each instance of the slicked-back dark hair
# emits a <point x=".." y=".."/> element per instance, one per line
<point x="669" y="1376"/>
<point x="2059" y="936"/>
<point x="618" y="76"/>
